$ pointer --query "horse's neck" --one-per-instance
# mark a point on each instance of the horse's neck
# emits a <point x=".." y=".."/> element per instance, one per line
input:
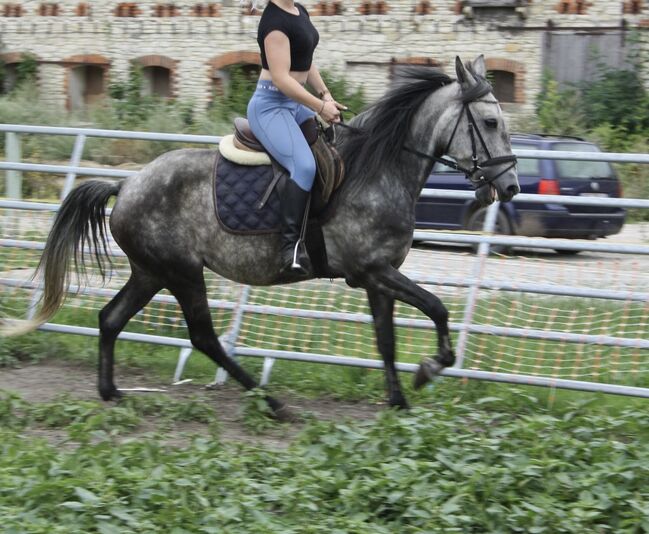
<point x="425" y="138"/>
<point x="413" y="170"/>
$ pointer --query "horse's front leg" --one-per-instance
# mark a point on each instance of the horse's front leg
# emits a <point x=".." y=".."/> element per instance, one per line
<point x="391" y="282"/>
<point x="382" y="307"/>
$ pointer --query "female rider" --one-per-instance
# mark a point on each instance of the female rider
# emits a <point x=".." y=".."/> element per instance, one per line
<point x="287" y="39"/>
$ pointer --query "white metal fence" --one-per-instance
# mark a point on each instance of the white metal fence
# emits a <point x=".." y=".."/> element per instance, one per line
<point x="520" y="318"/>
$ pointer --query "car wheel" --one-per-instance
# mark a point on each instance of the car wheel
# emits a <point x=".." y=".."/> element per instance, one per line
<point x="503" y="227"/>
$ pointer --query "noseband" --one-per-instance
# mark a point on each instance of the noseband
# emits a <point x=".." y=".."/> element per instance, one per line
<point x="477" y="165"/>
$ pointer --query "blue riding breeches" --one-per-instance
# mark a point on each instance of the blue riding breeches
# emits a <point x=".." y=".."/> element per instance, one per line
<point x="275" y="120"/>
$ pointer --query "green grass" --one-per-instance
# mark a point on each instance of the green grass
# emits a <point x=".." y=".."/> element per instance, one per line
<point x="470" y="457"/>
<point x="470" y="463"/>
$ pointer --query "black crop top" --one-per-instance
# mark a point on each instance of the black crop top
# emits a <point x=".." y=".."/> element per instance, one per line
<point x="302" y="35"/>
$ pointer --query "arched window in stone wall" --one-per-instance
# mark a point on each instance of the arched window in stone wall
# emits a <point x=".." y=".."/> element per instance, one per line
<point x="221" y="67"/>
<point x="8" y="77"/>
<point x="327" y="8"/>
<point x="572" y="7"/>
<point x="423" y="7"/>
<point x="503" y="83"/>
<point x="166" y="10"/>
<point x="10" y="71"/>
<point x="210" y="9"/>
<point x="127" y="9"/>
<point x="49" y="9"/>
<point x="12" y="10"/>
<point x="508" y="79"/>
<point x="85" y="80"/>
<point x="82" y="9"/>
<point x="158" y="75"/>
<point x="373" y="7"/>
<point x="156" y="81"/>
<point x="633" y="7"/>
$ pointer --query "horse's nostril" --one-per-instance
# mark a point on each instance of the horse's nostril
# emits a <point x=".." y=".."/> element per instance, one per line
<point x="514" y="190"/>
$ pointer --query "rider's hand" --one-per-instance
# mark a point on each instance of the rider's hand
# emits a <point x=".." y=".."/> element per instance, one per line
<point x="331" y="111"/>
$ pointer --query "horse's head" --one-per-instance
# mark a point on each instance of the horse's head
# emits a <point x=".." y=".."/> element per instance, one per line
<point x="478" y="139"/>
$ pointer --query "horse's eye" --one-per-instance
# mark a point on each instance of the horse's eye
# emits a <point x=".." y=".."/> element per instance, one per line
<point x="491" y="123"/>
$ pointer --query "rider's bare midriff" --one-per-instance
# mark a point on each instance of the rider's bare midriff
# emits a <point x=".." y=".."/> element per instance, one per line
<point x="299" y="76"/>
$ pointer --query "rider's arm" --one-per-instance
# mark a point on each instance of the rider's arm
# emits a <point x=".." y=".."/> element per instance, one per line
<point x="316" y="82"/>
<point x="278" y="55"/>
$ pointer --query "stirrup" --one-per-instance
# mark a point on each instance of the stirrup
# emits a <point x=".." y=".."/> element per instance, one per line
<point x="296" y="265"/>
<point x="299" y="262"/>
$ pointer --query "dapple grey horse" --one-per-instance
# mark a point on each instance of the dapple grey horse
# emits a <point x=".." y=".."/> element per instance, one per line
<point x="164" y="220"/>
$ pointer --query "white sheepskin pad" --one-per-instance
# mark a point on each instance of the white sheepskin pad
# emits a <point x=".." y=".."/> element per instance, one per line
<point x="242" y="157"/>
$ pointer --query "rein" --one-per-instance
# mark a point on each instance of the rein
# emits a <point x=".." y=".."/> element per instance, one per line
<point x="477" y="165"/>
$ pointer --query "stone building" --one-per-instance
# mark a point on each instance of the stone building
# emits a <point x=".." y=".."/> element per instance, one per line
<point x="185" y="47"/>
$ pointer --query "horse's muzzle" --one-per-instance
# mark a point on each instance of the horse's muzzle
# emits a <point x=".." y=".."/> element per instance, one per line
<point x="510" y="192"/>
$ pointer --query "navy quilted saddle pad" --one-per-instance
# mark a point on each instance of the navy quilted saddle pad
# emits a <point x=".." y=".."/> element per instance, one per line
<point x="237" y="191"/>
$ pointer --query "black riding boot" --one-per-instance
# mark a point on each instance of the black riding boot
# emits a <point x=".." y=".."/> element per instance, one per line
<point x="293" y="202"/>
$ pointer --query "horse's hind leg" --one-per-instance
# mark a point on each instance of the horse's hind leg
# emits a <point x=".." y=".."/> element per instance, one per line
<point x="382" y="307"/>
<point x="191" y="294"/>
<point x="137" y="292"/>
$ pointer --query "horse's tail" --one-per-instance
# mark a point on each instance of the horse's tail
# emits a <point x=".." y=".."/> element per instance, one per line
<point x="80" y="221"/>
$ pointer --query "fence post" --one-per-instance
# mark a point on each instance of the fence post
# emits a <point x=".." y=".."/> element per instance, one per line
<point x="229" y="339"/>
<point x="474" y="287"/>
<point x="13" y="179"/>
<point x="75" y="160"/>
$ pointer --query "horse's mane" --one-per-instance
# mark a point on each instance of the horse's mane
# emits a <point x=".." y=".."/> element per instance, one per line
<point x="379" y="140"/>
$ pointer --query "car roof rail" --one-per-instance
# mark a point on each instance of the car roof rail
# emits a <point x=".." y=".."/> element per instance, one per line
<point x="546" y="136"/>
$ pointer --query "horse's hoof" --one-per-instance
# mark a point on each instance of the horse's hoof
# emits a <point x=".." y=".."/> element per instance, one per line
<point x="110" y="394"/>
<point x="284" y="414"/>
<point x="428" y="370"/>
<point x="401" y="404"/>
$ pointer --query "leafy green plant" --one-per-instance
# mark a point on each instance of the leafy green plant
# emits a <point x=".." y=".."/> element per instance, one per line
<point x="131" y="106"/>
<point x="232" y="101"/>
<point x="26" y="70"/>
<point x="471" y="466"/>
<point x="353" y="98"/>
<point x="558" y="109"/>
<point x="18" y="351"/>
<point x="257" y="415"/>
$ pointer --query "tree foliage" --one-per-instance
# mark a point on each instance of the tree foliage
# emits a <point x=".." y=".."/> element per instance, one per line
<point x="618" y="98"/>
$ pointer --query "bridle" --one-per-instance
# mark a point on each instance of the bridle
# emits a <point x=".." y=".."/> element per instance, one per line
<point x="477" y="165"/>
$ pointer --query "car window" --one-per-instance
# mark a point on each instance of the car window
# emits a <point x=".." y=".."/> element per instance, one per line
<point x="581" y="169"/>
<point x="525" y="166"/>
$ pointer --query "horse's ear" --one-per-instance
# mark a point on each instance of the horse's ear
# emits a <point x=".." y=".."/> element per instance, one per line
<point x="460" y="71"/>
<point x="479" y="66"/>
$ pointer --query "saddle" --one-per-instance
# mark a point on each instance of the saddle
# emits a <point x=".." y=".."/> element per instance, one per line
<point x="246" y="180"/>
<point x="245" y="149"/>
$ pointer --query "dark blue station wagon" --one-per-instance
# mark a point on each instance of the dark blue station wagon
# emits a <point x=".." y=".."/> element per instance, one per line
<point x="535" y="176"/>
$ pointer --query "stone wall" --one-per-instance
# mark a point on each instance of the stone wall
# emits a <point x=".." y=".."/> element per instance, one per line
<point x="362" y="42"/>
